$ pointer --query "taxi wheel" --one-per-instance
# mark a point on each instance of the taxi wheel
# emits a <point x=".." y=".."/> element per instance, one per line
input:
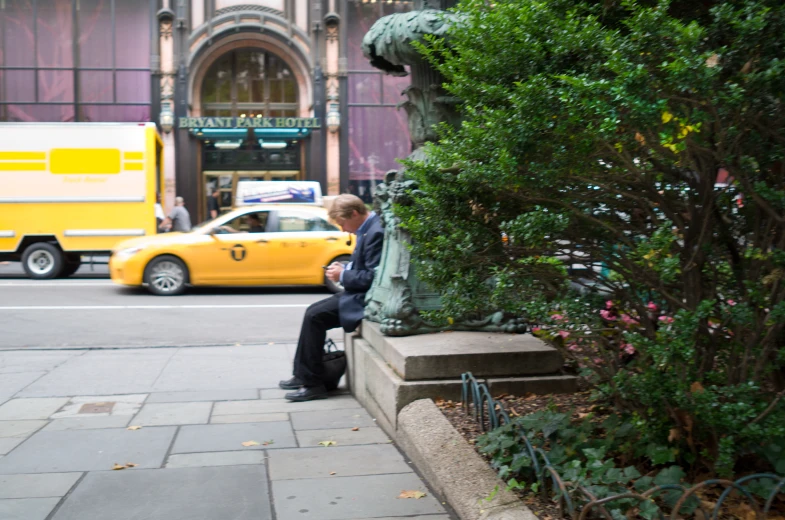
<point x="166" y="276"/>
<point x="42" y="261"/>
<point x="336" y="287"/>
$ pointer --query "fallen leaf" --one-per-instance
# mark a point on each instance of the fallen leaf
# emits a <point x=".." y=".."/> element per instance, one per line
<point x="332" y="473"/>
<point x="327" y="443"/>
<point x="696" y="387"/>
<point x="713" y="60"/>
<point x="133" y="428"/>
<point x="267" y="443"/>
<point x="411" y="494"/>
<point x="117" y="466"/>
<point x="355" y="429"/>
<point x="250" y="443"/>
<point x="131" y="464"/>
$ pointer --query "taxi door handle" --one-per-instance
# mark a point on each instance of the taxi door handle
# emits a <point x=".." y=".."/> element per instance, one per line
<point x="262" y="241"/>
<point x="331" y="239"/>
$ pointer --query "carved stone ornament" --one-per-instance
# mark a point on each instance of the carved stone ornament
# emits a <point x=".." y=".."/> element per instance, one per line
<point x="388" y="45"/>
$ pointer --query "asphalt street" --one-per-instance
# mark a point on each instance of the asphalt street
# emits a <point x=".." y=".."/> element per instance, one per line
<point x="88" y="310"/>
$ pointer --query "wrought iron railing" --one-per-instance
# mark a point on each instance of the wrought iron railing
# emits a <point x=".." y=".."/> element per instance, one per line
<point x="490" y="414"/>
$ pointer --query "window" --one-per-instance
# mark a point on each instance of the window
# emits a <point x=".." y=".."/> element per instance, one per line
<point x="254" y="222"/>
<point x="290" y="220"/>
<point x="249" y="83"/>
<point x="373" y="97"/>
<point x="75" y="60"/>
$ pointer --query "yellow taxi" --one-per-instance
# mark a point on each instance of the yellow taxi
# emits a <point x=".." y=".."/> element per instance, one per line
<point x="265" y="244"/>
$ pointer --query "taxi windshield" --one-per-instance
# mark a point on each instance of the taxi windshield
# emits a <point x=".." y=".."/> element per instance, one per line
<point x="210" y="224"/>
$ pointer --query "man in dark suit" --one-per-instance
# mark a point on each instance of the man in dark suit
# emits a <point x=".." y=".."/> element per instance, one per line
<point x="344" y="309"/>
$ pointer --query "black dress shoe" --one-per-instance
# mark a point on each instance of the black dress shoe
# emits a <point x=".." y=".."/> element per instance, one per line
<point x="308" y="393"/>
<point x="290" y="384"/>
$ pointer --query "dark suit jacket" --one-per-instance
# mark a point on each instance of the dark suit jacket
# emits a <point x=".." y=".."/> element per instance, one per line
<point x="358" y="279"/>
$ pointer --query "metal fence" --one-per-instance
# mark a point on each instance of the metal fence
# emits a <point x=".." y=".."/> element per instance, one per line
<point x="489" y="413"/>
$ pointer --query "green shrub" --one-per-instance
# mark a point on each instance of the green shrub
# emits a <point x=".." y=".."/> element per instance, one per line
<point x="582" y="191"/>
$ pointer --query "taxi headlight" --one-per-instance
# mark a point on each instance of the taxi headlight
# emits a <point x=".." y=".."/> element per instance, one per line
<point x="128" y="252"/>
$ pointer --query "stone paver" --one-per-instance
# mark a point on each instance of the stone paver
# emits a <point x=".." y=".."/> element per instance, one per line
<point x="282" y="405"/>
<point x="236" y="492"/>
<point x="324" y="419"/>
<point x="27" y="508"/>
<point x="19" y="428"/>
<point x="164" y="414"/>
<point x="251" y="417"/>
<point x="229" y="437"/>
<point x="25" y="409"/>
<point x="220" y="458"/>
<point x="88" y="450"/>
<point x="8" y="444"/>
<point x="42" y="485"/>
<point x="304" y="463"/>
<point x="208" y="395"/>
<point x="273" y="393"/>
<point x="342" y="436"/>
<point x="195" y="407"/>
<point x="347" y="498"/>
<point x="87" y="422"/>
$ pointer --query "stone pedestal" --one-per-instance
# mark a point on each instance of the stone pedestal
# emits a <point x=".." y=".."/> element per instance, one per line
<point x="387" y="373"/>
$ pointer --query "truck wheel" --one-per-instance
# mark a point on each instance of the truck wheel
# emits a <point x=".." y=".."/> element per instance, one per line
<point x="336" y="287"/>
<point x="166" y="276"/>
<point x="42" y="261"/>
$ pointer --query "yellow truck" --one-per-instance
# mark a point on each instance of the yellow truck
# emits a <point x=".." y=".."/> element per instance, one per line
<point x="74" y="189"/>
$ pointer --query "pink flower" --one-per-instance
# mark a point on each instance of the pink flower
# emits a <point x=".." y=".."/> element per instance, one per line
<point x="558" y="317"/>
<point x="609" y="304"/>
<point x="597" y="361"/>
<point x="666" y="319"/>
<point x="628" y="320"/>
<point x="629" y="349"/>
<point x="564" y="333"/>
<point x="652" y="306"/>
<point x="573" y="347"/>
<point x="731" y="303"/>
<point x="536" y="329"/>
<point x="606" y="315"/>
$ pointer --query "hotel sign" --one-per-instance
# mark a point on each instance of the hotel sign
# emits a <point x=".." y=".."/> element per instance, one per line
<point x="249" y="122"/>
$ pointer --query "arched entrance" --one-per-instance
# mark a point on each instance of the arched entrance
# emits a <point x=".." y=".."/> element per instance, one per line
<point x="248" y="83"/>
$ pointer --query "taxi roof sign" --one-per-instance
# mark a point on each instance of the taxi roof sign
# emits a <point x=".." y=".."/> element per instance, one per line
<point x="266" y="192"/>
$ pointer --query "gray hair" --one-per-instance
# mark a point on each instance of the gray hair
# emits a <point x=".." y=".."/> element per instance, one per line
<point x="179" y="201"/>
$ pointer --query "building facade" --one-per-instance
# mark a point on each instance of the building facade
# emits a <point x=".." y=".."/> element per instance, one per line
<point x="265" y="90"/>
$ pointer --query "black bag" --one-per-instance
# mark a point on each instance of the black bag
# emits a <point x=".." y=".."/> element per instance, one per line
<point x="334" y="361"/>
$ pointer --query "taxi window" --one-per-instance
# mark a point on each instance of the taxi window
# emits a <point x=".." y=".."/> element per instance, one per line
<point x="254" y="222"/>
<point x="302" y="221"/>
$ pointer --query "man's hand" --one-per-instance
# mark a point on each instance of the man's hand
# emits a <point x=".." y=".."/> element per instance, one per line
<point x="334" y="271"/>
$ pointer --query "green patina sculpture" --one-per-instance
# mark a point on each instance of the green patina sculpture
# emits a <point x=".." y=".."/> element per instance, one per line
<point x="398" y="296"/>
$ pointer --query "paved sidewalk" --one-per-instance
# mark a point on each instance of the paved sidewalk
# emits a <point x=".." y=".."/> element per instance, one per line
<point x="177" y="421"/>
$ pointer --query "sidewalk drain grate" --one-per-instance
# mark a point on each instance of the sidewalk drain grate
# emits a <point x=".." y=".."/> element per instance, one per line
<point x="102" y="407"/>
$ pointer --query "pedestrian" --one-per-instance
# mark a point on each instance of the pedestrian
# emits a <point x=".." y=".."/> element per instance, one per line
<point x="159" y="212"/>
<point x="181" y="220"/>
<point x="213" y="204"/>
<point x="344" y="309"/>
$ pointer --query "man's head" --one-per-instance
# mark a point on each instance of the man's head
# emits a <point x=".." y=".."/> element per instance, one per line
<point x="178" y="201"/>
<point x="349" y="212"/>
<point x="216" y="192"/>
<point x="253" y="220"/>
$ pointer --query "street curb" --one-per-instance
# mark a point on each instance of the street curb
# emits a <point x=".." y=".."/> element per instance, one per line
<point x="452" y="468"/>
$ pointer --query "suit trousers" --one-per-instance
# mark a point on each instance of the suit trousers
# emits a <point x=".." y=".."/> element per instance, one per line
<point x="319" y="318"/>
